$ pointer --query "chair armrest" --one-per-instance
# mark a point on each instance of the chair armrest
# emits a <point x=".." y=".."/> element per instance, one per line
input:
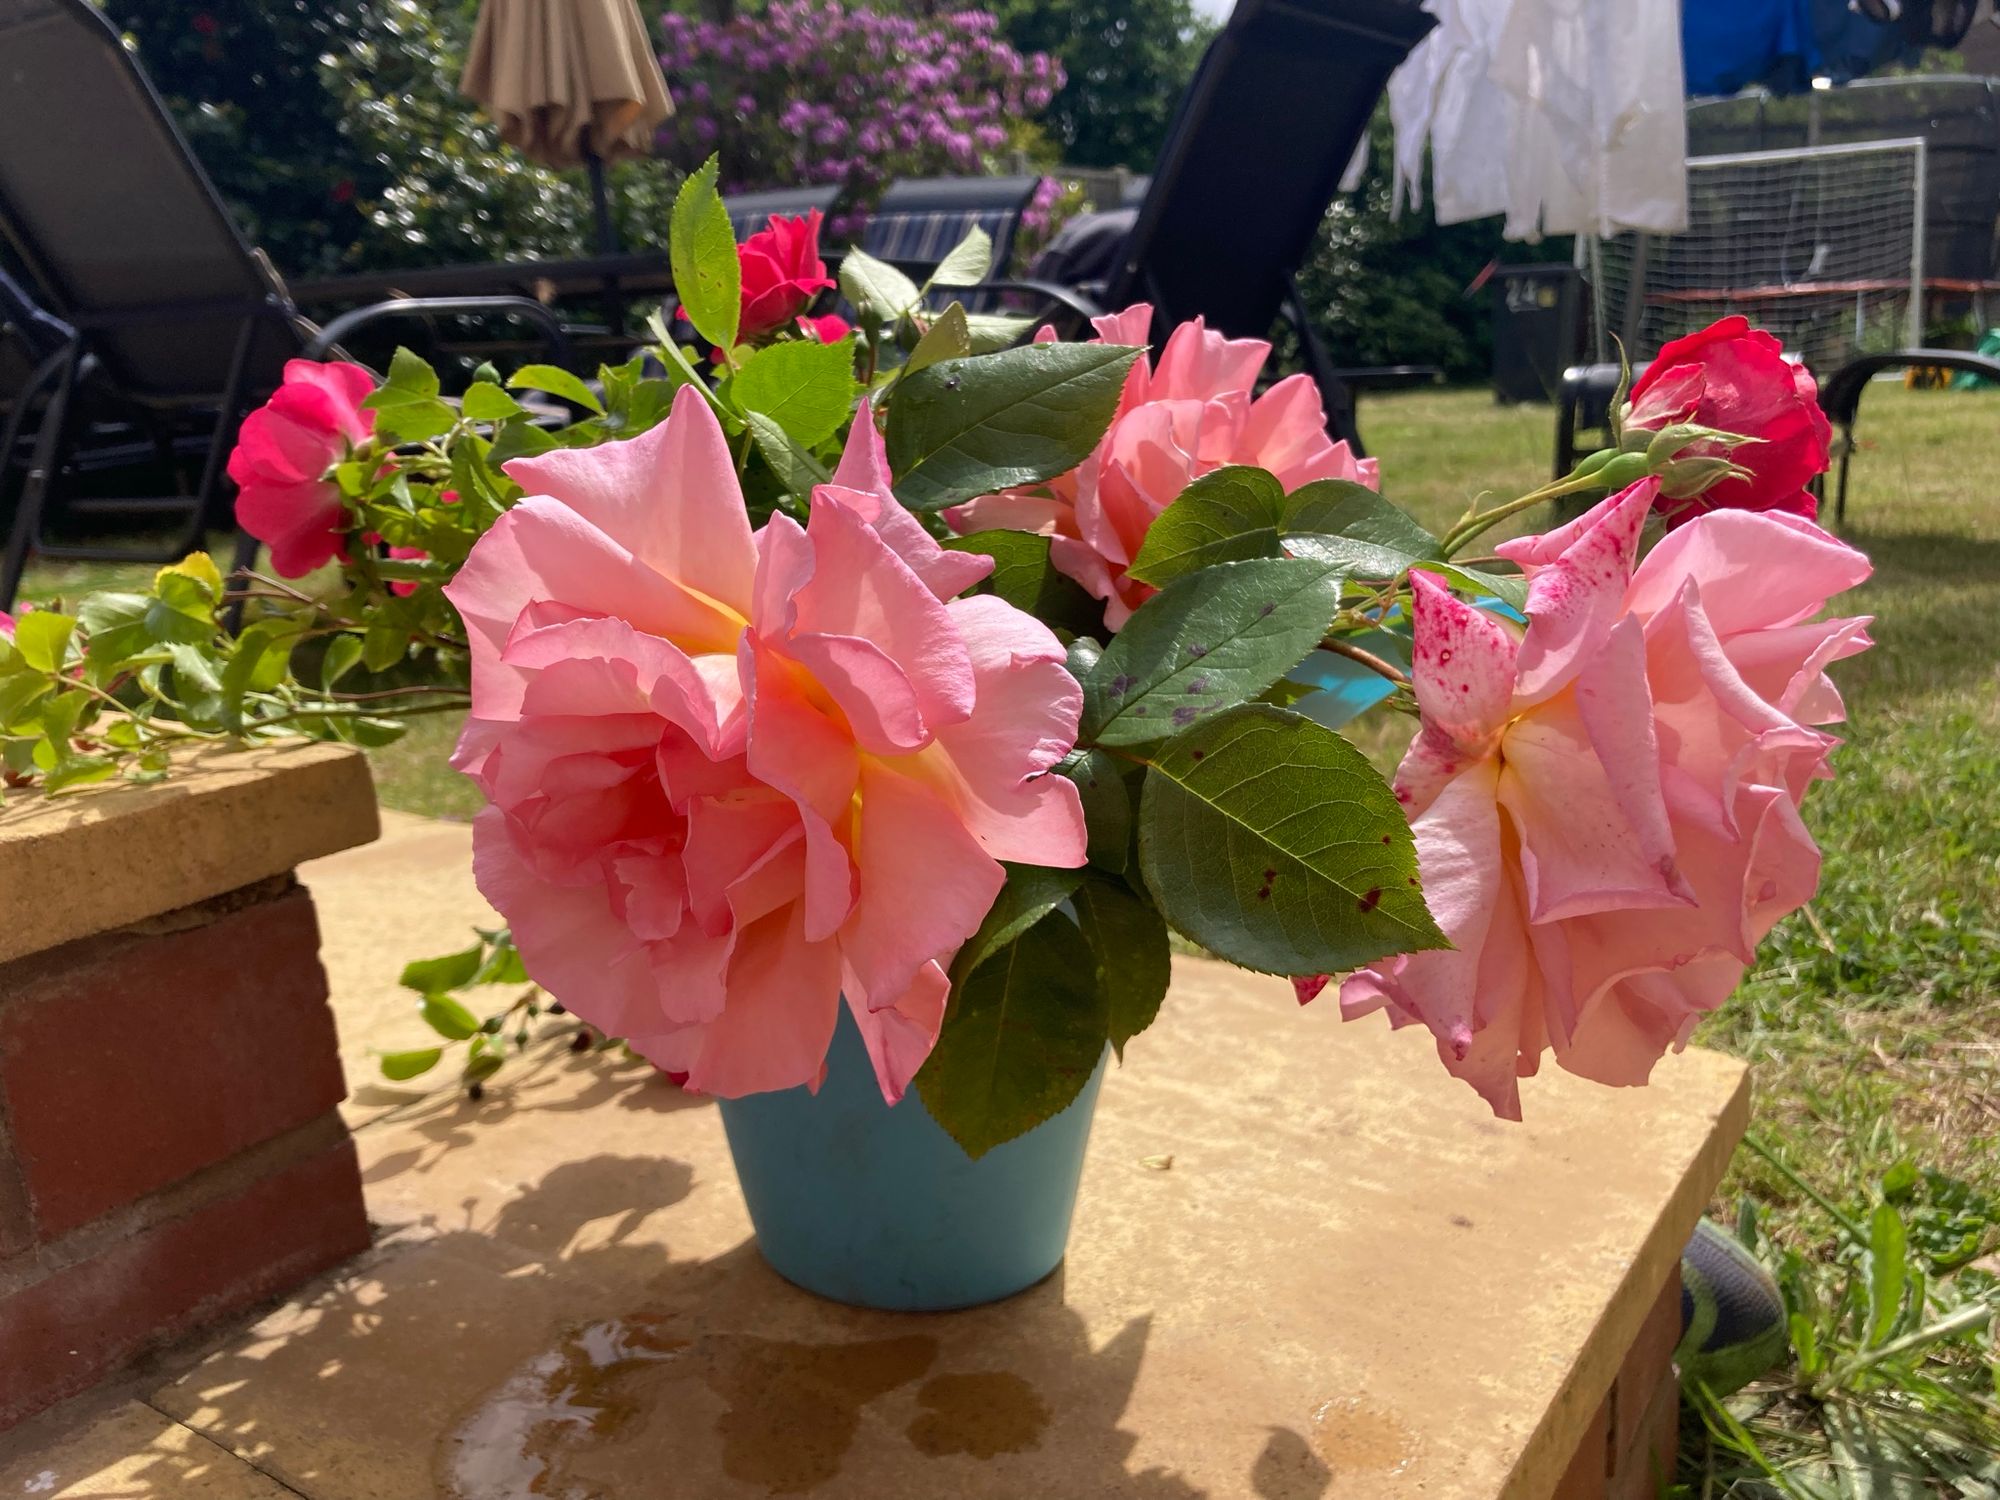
<point x="525" y="309"/>
<point x="1840" y="395"/>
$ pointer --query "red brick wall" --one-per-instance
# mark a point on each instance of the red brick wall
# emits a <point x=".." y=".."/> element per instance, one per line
<point x="1628" y="1453"/>
<point x="169" y="1147"/>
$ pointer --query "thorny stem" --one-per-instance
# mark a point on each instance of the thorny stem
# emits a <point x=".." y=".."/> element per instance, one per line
<point x="400" y="692"/>
<point x="1367" y="659"/>
<point x="1472" y="526"/>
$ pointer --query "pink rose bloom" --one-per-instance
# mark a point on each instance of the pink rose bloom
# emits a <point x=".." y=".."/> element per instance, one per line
<point x="1734" y="378"/>
<point x="1606" y="807"/>
<point x="734" y="775"/>
<point x="1175" y="423"/>
<point x="6" y="624"/>
<point x="286" y="446"/>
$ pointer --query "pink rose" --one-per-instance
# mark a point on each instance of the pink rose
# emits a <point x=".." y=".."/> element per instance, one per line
<point x="1606" y="807"/>
<point x="1192" y="414"/>
<point x="312" y="422"/>
<point x="782" y="272"/>
<point x="6" y="625"/>
<point x="734" y="775"/>
<point x="1734" y="378"/>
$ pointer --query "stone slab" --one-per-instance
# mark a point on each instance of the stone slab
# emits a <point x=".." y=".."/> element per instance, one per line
<point x="130" y="1451"/>
<point x="408" y="895"/>
<point x="89" y="861"/>
<point x="1305" y="1264"/>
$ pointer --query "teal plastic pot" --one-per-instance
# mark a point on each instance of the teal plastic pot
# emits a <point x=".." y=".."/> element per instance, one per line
<point x="878" y="1207"/>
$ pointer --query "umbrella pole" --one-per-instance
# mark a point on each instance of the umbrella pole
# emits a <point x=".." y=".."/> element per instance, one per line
<point x="600" y="203"/>
<point x="607" y="241"/>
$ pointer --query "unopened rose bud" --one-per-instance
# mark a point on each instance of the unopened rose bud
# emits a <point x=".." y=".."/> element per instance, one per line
<point x="1624" y="469"/>
<point x="1685" y="477"/>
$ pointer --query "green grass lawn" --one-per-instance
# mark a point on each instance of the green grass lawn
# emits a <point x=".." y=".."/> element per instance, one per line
<point x="1873" y="1018"/>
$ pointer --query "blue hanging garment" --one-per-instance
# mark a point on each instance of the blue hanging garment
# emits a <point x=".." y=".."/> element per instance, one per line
<point x="1728" y="45"/>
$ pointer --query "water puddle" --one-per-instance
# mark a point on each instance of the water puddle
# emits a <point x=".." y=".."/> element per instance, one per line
<point x="642" y="1405"/>
<point x="987" y="1414"/>
<point x="1354" y="1438"/>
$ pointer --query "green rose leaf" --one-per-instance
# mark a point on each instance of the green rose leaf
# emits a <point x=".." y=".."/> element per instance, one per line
<point x="994" y="331"/>
<point x="1352" y="527"/>
<point x="555" y="381"/>
<point x="1107" y="806"/>
<point x="876" y="288"/>
<point x="449" y="1018"/>
<point x="969" y="261"/>
<point x="1511" y="589"/>
<point x="948" y="337"/>
<point x="808" y="389"/>
<point x="343" y="655"/>
<point x="1270" y="840"/>
<point x="1128" y="941"/>
<point x="1031" y="893"/>
<point x="486" y="402"/>
<point x="448" y="971"/>
<point x="1204" y="642"/>
<point x="197" y="686"/>
<point x="79" y="770"/>
<point x="1023" y="576"/>
<point x="116" y="626"/>
<point x="410" y="379"/>
<point x="702" y="248"/>
<point x="42" y="638"/>
<point x="797" y="470"/>
<point x="406" y="404"/>
<point x="966" y="427"/>
<point x="1022" y="1034"/>
<point x="402" y="1066"/>
<point x="1227" y="515"/>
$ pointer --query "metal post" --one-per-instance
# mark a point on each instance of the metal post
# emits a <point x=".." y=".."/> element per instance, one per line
<point x="1914" y="331"/>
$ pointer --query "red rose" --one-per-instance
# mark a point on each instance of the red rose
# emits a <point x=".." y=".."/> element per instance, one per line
<point x="1734" y="378"/>
<point x="283" y="454"/>
<point x="782" y="272"/>
<point x="830" y="329"/>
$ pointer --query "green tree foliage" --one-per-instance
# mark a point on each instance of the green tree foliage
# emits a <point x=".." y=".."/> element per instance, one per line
<point x="1390" y="290"/>
<point x="335" y="131"/>
<point x="1126" y="62"/>
<point x="243" y="83"/>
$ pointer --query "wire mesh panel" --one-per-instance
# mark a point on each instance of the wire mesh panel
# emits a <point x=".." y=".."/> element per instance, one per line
<point x="1823" y="245"/>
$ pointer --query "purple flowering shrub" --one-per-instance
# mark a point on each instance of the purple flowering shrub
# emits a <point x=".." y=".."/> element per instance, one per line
<point x="808" y="91"/>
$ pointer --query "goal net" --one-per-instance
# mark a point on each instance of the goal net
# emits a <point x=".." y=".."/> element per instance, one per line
<point x="1823" y="245"/>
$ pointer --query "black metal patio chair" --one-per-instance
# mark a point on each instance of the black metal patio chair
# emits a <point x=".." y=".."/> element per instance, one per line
<point x="176" y="324"/>
<point x="919" y="221"/>
<point x="1840" y="394"/>
<point x="750" y="212"/>
<point x="1252" y="161"/>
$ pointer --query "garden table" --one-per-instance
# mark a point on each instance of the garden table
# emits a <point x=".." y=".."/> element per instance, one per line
<point x="1305" y="1263"/>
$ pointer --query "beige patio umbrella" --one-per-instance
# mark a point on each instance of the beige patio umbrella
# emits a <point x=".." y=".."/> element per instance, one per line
<point x="570" y="83"/>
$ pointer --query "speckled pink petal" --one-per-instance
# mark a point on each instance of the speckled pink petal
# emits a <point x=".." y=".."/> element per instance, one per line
<point x="1576" y="598"/>
<point x="1462" y="663"/>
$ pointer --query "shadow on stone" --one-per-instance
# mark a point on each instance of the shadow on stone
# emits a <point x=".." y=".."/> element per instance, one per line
<point x="559" y="1351"/>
